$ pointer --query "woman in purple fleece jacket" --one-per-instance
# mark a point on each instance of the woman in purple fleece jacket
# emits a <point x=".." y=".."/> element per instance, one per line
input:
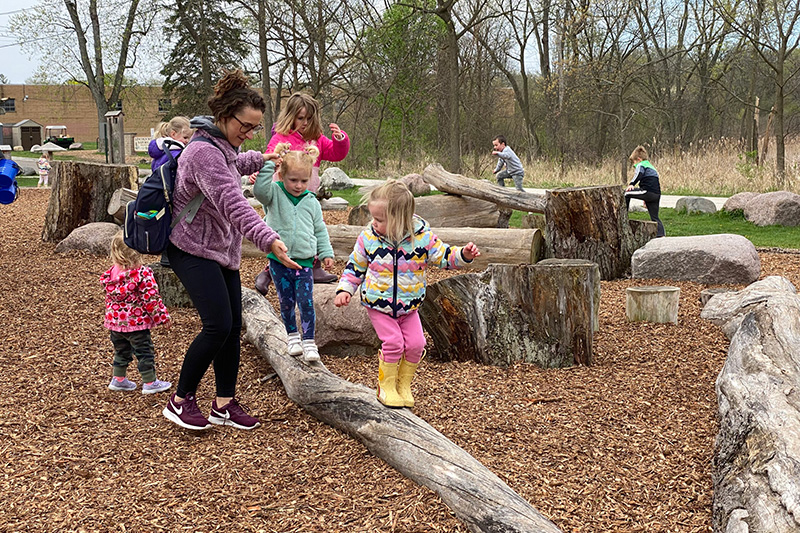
<point x="205" y="251"/>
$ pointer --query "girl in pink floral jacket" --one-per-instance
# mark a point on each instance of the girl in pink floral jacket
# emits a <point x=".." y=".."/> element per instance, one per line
<point x="133" y="306"/>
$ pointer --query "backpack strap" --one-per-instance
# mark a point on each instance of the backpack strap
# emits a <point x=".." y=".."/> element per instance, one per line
<point x="190" y="209"/>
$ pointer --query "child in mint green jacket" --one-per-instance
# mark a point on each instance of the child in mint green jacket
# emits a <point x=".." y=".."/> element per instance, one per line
<point x="294" y="212"/>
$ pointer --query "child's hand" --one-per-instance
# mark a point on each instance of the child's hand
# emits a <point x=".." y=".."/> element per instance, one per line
<point x="336" y="131"/>
<point x="272" y="157"/>
<point x="252" y="179"/>
<point x="328" y="263"/>
<point x="343" y="298"/>
<point x="470" y="251"/>
<point x="629" y="188"/>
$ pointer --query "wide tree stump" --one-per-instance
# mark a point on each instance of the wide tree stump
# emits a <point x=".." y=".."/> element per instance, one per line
<point x="81" y="194"/>
<point x="543" y="314"/>
<point x="119" y="200"/>
<point x="496" y="245"/>
<point x="657" y="304"/>
<point x="406" y="442"/>
<point x="756" y="464"/>
<point x="591" y="223"/>
<point x="483" y="190"/>
<point x="442" y="211"/>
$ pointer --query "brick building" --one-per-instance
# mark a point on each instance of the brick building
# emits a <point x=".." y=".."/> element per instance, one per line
<point x="73" y="107"/>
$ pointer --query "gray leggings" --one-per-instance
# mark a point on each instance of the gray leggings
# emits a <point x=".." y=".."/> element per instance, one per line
<point x="503" y="175"/>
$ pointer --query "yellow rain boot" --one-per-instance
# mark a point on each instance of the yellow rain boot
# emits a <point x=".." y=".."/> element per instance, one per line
<point x="405" y="374"/>
<point x="387" y="384"/>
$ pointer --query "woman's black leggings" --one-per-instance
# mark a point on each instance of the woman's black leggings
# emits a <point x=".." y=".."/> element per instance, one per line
<point x="216" y="293"/>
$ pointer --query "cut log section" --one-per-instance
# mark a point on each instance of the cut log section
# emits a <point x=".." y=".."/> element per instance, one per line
<point x="496" y="245"/>
<point x="657" y="304"/>
<point x="120" y="199"/>
<point x="442" y="211"/>
<point x="483" y="190"/>
<point x="81" y="194"/>
<point x="406" y="442"/>
<point x="543" y="314"/>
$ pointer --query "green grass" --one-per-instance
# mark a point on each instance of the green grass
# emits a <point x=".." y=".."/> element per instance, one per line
<point x="27" y="181"/>
<point x="682" y="224"/>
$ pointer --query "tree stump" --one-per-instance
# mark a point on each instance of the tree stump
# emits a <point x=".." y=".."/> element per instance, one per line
<point x="81" y="194"/>
<point x="119" y="200"/>
<point x="543" y="314"/>
<point x="590" y="223"/>
<point x="657" y="304"/>
<point x="442" y="211"/>
<point x="172" y="290"/>
<point x="406" y="442"/>
<point x="496" y="245"/>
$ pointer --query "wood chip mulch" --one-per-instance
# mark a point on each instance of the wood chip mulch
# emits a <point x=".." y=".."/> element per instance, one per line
<point x="623" y="446"/>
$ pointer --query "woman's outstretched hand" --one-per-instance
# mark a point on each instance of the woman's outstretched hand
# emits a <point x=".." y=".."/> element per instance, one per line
<point x="281" y="252"/>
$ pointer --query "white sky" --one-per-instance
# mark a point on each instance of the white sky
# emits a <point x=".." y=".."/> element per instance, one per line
<point x="13" y="63"/>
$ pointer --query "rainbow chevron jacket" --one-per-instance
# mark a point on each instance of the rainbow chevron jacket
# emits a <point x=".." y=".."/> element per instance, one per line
<point x="393" y="276"/>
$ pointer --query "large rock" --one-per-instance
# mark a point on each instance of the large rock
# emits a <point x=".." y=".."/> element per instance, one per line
<point x="335" y="179"/>
<point x="780" y="208"/>
<point x="727" y="309"/>
<point x="723" y="259"/>
<point x="94" y="237"/>
<point x="738" y="201"/>
<point x="342" y="330"/>
<point x="417" y="185"/>
<point x="695" y="204"/>
<point x="334" y="204"/>
<point x="756" y="463"/>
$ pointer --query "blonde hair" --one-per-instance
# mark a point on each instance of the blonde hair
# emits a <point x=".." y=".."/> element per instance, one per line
<point x="294" y="104"/>
<point x="176" y="125"/>
<point x="296" y="161"/>
<point x="122" y="256"/>
<point x="638" y="153"/>
<point x="399" y="208"/>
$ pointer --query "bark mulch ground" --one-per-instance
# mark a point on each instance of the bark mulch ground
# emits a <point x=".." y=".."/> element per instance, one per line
<point x="624" y="445"/>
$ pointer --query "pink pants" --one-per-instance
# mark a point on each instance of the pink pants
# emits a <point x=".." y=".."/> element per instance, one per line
<point x="399" y="335"/>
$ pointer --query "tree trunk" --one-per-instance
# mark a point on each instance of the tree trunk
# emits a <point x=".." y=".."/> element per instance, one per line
<point x="543" y="314"/>
<point x="119" y="200"/>
<point x="442" y="211"/>
<point x="483" y="190"/>
<point x="591" y="223"/>
<point x="496" y="245"/>
<point x="657" y="304"/>
<point x="81" y="194"/>
<point x="406" y="442"/>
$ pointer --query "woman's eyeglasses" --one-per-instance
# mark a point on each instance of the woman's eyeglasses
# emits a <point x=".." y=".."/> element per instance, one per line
<point x="247" y="128"/>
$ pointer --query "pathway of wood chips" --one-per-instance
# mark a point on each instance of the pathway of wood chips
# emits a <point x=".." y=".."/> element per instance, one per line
<point x="623" y="446"/>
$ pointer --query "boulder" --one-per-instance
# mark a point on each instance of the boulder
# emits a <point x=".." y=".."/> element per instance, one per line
<point x="76" y="146"/>
<point x="727" y="309"/>
<point x="738" y="201"/>
<point x="416" y="184"/>
<point x="342" y="330"/>
<point x="779" y="208"/>
<point x="334" y="204"/>
<point x="695" y="204"/>
<point x="755" y="468"/>
<point x="335" y="179"/>
<point x="35" y="148"/>
<point x="94" y="237"/>
<point x="712" y="259"/>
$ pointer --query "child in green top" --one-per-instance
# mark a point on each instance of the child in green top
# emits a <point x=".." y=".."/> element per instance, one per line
<point x="294" y="212"/>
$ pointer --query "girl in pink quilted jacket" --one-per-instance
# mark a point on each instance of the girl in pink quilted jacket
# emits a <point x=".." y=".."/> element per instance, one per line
<point x="133" y="306"/>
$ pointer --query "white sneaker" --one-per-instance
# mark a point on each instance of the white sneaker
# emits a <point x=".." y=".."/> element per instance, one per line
<point x="310" y="351"/>
<point x="295" y="344"/>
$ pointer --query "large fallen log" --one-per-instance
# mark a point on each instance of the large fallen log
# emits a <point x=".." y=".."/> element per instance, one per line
<point x="119" y="201"/>
<point x="496" y="245"/>
<point x="503" y="197"/>
<point x="406" y="442"/>
<point x="81" y="193"/>
<point x="442" y="211"/>
<point x="543" y="314"/>
<point x="756" y="464"/>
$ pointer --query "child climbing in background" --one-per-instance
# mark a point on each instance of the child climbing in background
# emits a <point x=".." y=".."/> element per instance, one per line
<point x="44" y="169"/>
<point x="294" y="212"/>
<point x="508" y="159"/>
<point x="177" y="131"/>
<point x="299" y="124"/>
<point x="133" y="306"/>
<point x="649" y="190"/>
<point x="390" y="258"/>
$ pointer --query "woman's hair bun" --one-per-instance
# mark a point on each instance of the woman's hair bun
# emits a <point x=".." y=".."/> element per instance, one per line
<point x="234" y="79"/>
